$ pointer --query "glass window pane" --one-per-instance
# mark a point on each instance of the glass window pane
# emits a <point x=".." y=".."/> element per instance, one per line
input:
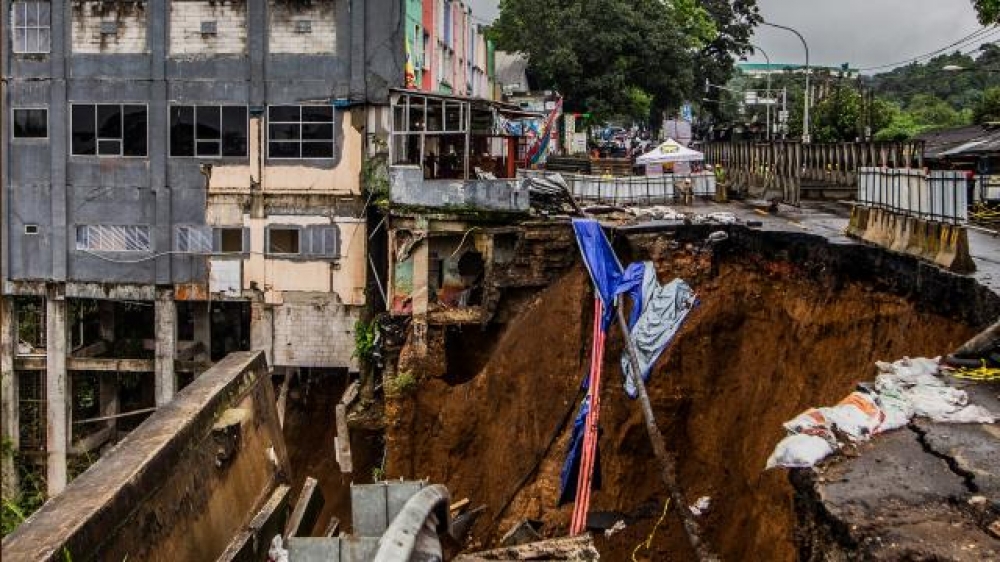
<point x="283" y="113"/>
<point x="182" y="130"/>
<point x="231" y="240"/>
<point x="316" y="131"/>
<point x="44" y="43"/>
<point x="109" y="147"/>
<point x="283" y="132"/>
<point x="208" y="123"/>
<point x="109" y="121"/>
<point x="83" y="131"/>
<point x="134" y="117"/>
<point x="30" y="123"/>
<point x="234" y="131"/>
<point x="283" y="241"/>
<point x="20" y="40"/>
<point x="317" y="149"/>
<point x="31" y="14"/>
<point x="317" y="113"/>
<point x="283" y="149"/>
<point x="43" y="14"/>
<point x="208" y="148"/>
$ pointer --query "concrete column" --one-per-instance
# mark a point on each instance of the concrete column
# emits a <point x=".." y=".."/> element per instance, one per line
<point x="201" y="317"/>
<point x="56" y="393"/>
<point x="106" y="317"/>
<point x="262" y="330"/>
<point x="9" y="394"/>
<point x="109" y="400"/>
<point x="166" y="346"/>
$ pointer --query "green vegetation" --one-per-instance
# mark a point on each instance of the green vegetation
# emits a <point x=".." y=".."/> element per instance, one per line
<point x="622" y="57"/>
<point x="988" y="11"/>
<point x="403" y="383"/>
<point x="18" y="507"/>
<point x="364" y="339"/>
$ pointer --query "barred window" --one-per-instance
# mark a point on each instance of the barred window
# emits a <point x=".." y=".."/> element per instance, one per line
<point x="112" y="238"/>
<point x="300" y="131"/>
<point x="193" y="239"/>
<point x="32" y="34"/>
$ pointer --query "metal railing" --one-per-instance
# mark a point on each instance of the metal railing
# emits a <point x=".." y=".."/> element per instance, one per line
<point x="632" y="190"/>
<point x="940" y="195"/>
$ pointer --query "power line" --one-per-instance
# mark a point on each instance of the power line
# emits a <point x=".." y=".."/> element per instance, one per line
<point x="979" y="34"/>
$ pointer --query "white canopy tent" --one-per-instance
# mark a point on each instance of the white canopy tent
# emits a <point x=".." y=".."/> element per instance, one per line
<point x="670" y="151"/>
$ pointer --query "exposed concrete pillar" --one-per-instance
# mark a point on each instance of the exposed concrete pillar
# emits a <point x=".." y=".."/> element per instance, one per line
<point x="166" y="346"/>
<point x="106" y="317"/>
<point x="56" y="392"/>
<point x="262" y="330"/>
<point x="109" y="401"/>
<point x="9" y="395"/>
<point x="201" y="317"/>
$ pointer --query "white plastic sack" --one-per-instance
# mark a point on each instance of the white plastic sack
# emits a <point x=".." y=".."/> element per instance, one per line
<point x="799" y="451"/>
<point x="857" y="415"/>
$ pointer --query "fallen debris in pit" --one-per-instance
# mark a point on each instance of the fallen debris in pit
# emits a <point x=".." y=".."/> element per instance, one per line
<point x="903" y="389"/>
<point x="578" y="549"/>
<point x="524" y="532"/>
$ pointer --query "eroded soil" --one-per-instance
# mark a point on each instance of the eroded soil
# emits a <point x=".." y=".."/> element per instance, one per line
<point x="765" y="342"/>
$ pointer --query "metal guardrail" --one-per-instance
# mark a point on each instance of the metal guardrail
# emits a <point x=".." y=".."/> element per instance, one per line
<point x="940" y="195"/>
<point x="631" y="190"/>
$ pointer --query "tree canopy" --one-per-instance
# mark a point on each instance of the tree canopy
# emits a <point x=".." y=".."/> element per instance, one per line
<point x="988" y="11"/>
<point x="619" y="57"/>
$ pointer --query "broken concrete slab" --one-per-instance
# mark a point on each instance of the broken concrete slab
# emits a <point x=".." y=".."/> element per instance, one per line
<point x="580" y="548"/>
<point x="307" y="509"/>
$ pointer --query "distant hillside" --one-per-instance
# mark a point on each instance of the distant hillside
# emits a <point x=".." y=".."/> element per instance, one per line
<point x="961" y="89"/>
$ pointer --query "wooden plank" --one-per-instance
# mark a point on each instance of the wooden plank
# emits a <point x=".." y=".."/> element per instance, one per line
<point x="343" y="441"/>
<point x="307" y="509"/>
<point x="562" y="548"/>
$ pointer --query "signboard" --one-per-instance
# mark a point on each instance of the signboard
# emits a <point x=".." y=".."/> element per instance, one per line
<point x="569" y="130"/>
<point x="579" y="145"/>
<point x="783" y="116"/>
<point x="750" y="98"/>
<point x="686" y="113"/>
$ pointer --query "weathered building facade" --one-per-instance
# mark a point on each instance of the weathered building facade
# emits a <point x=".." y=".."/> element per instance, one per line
<point x="181" y="180"/>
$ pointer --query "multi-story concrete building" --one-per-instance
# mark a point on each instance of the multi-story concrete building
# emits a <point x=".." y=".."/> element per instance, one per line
<point x="181" y="179"/>
<point x="449" y="49"/>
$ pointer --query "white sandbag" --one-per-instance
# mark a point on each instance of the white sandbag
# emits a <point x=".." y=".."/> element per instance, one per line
<point x="810" y="422"/>
<point x="799" y="451"/>
<point x="857" y="415"/>
<point x="969" y="414"/>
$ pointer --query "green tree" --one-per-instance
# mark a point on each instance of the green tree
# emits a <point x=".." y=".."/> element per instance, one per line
<point x="734" y="23"/>
<point x="988" y="10"/>
<point x="988" y="108"/>
<point x="600" y="53"/>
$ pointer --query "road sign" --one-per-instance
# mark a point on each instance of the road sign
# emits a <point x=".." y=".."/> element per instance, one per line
<point x="750" y="98"/>
<point x="783" y="116"/>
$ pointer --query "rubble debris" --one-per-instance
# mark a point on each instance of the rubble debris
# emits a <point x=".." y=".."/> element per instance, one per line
<point x="580" y="548"/>
<point x="701" y="506"/>
<point x="524" y="532"/>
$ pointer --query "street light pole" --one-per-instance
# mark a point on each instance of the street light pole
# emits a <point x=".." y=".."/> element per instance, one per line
<point x="768" y="111"/>
<point x="805" y="114"/>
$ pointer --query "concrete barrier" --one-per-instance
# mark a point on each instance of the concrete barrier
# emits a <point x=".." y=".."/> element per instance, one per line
<point x="179" y="487"/>
<point x="944" y="244"/>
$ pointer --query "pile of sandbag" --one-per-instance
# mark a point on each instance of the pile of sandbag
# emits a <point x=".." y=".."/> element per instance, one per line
<point x="902" y="390"/>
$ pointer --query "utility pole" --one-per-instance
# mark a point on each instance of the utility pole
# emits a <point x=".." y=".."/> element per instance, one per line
<point x="768" y="105"/>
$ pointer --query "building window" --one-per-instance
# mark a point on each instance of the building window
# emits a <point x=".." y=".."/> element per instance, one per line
<point x="31" y="123"/>
<point x="323" y="241"/>
<point x="193" y="239"/>
<point x="209" y="27"/>
<point x="31" y="27"/>
<point x="230" y="240"/>
<point x="109" y="27"/>
<point x="108" y="130"/>
<point x="303" y="26"/>
<point x="283" y="240"/>
<point x="208" y="130"/>
<point x="300" y="131"/>
<point x="112" y="238"/>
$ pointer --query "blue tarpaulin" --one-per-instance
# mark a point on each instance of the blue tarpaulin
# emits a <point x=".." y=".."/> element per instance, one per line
<point x="571" y="468"/>
<point x="602" y="264"/>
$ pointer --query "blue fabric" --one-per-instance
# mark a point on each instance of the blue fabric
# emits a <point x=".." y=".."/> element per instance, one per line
<point x="631" y="284"/>
<point x="602" y="264"/>
<point x="570" y="474"/>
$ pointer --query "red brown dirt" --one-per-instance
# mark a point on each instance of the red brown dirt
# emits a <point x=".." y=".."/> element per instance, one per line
<point x="765" y="343"/>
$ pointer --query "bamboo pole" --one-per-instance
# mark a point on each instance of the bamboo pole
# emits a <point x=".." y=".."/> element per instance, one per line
<point x="668" y="464"/>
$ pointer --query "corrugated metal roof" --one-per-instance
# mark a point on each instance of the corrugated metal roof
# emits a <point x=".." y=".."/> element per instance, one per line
<point x="971" y="140"/>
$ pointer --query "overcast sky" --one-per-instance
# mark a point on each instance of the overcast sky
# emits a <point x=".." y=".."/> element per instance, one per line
<point x="864" y="33"/>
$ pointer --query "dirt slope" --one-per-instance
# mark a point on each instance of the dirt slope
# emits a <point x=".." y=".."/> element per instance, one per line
<point x="765" y="343"/>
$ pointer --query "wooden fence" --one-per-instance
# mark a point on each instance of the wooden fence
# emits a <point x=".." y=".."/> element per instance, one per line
<point x="785" y="170"/>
